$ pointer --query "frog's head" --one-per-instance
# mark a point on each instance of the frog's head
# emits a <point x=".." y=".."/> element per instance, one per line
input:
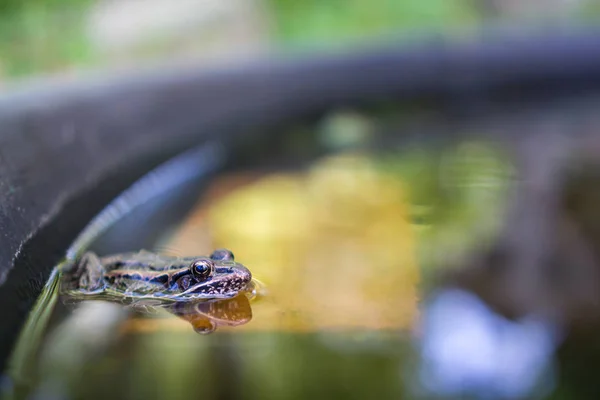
<point x="217" y="276"/>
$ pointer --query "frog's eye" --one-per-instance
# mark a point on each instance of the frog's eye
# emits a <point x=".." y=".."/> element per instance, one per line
<point x="222" y="255"/>
<point x="202" y="269"/>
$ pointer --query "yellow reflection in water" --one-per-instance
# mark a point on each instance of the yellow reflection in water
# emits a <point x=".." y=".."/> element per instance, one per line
<point x="334" y="245"/>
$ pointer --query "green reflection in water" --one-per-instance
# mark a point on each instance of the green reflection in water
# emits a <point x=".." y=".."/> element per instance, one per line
<point x="249" y="366"/>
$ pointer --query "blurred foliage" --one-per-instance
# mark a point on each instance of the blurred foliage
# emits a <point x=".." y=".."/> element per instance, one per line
<point x="337" y="20"/>
<point x="16" y="6"/>
<point x="590" y="11"/>
<point x="42" y="36"/>
<point x="49" y="35"/>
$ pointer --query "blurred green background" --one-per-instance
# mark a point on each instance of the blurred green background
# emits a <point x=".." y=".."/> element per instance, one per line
<point x="63" y="37"/>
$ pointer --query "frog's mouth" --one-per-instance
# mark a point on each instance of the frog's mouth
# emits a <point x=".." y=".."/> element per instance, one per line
<point x="226" y="282"/>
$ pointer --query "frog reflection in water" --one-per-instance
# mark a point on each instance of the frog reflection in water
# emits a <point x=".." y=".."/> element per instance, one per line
<point x="206" y="316"/>
<point x="149" y="275"/>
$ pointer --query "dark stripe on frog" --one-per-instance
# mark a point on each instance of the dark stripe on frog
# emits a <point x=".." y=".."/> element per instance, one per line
<point x="166" y="279"/>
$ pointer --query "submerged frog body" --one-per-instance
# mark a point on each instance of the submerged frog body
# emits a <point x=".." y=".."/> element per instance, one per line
<point x="146" y="274"/>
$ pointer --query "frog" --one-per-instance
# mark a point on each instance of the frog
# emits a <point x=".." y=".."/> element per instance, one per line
<point x="145" y="274"/>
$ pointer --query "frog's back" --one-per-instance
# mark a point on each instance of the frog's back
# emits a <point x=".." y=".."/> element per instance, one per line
<point x="143" y="261"/>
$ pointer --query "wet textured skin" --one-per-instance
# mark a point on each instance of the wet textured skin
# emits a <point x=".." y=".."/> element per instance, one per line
<point x="150" y="275"/>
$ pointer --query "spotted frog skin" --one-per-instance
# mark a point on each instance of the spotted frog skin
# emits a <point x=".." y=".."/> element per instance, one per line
<point x="149" y="275"/>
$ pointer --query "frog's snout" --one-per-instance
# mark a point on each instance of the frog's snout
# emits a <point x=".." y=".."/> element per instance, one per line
<point x="244" y="274"/>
